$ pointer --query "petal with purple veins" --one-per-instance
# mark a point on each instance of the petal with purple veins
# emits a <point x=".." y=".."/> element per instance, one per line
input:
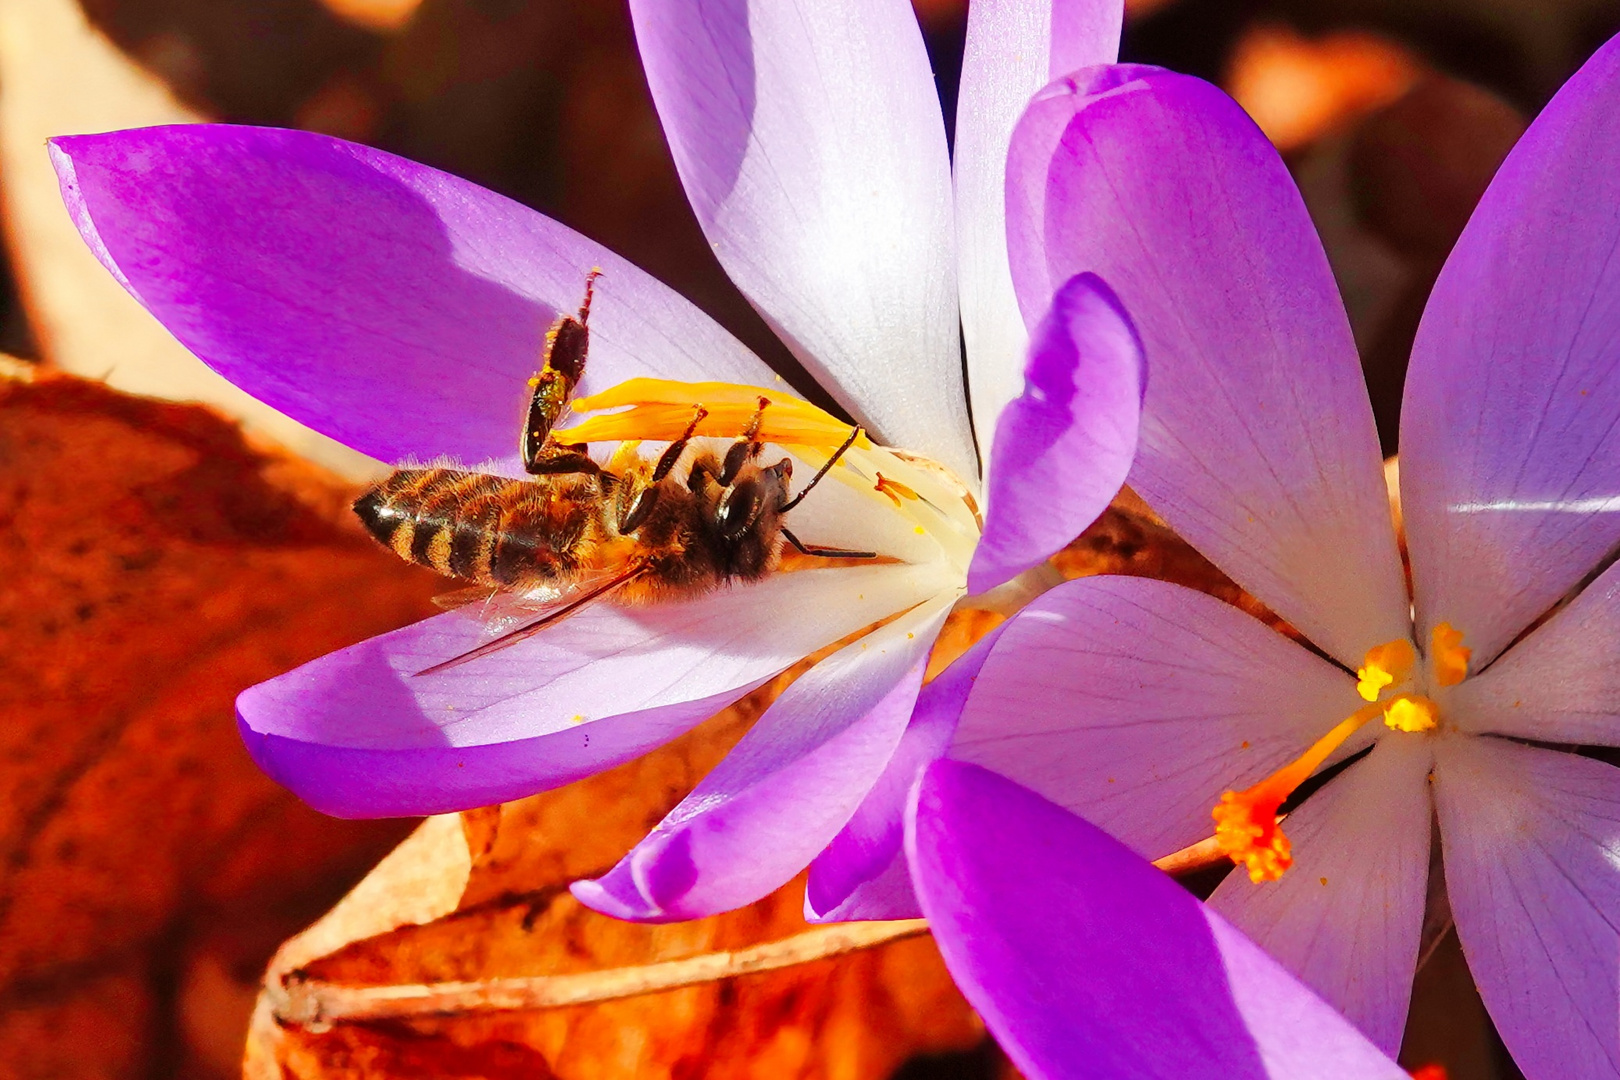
<point x="1086" y="962"/>
<point x="1346" y="917"/>
<point x="1014" y="47"/>
<point x="809" y="139"/>
<point x="1510" y="429"/>
<point x="1064" y="447"/>
<point x="1136" y="703"/>
<point x="1561" y="683"/>
<point x="1257" y="438"/>
<point x="1531" y="839"/>
<point x="785" y="790"/>
<point x="388" y="305"/>
<point x="358" y="734"/>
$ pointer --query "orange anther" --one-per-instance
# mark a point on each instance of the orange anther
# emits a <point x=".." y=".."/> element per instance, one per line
<point x="1449" y="657"/>
<point x="894" y="489"/>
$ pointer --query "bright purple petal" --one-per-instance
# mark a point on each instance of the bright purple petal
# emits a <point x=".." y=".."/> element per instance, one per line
<point x="358" y="734"/>
<point x="395" y="308"/>
<point x="862" y="873"/>
<point x="785" y="790"/>
<point x="1014" y="47"/>
<point x="1136" y="703"/>
<point x="1257" y="439"/>
<point x="809" y="138"/>
<point x="1532" y="849"/>
<point x="1561" y="683"/>
<point x="1346" y="918"/>
<point x="1087" y="963"/>
<point x="1510" y="431"/>
<point x="1062" y="449"/>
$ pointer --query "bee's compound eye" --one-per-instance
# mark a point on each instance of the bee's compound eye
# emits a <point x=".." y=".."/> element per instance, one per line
<point x="639" y="510"/>
<point x="739" y="509"/>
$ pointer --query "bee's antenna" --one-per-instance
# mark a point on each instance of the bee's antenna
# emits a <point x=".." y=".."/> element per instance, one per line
<point x="590" y="290"/>
<point x="854" y="434"/>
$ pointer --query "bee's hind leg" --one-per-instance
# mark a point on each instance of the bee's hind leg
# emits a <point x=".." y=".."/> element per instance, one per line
<point x="567" y="344"/>
<point x="824" y="552"/>
<point x="667" y="460"/>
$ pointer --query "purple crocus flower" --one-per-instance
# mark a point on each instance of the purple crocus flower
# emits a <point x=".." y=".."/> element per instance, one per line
<point x="1088" y="964"/>
<point x="1138" y="703"/>
<point x="401" y="311"/>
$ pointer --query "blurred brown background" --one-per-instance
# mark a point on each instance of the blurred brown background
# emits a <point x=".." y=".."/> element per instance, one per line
<point x="146" y="871"/>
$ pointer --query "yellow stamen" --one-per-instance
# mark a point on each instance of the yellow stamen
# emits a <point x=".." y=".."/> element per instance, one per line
<point x="1411" y="712"/>
<point x="895" y="490"/>
<point x="1385" y="665"/>
<point x="1449" y="657"/>
<point x="661" y="409"/>
<point x="1246" y="821"/>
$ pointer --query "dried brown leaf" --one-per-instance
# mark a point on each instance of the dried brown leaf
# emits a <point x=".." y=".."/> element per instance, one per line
<point x="155" y="566"/>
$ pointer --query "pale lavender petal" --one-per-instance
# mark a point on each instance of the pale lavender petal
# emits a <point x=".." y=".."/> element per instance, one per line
<point x="1510" y="430"/>
<point x="785" y="790"/>
<point x="862" y="873"/>
<point x="1014" y="47"/>
<point x="391" y="306"/>
<point x="1063" y="447"/>
<point x="1532" y="850"/>
<point x="1561" y="683"/>
<point x="1088" y="964"/>
<point x="1136" y="703"/>
<point x="358" y="734"/>
<point x="1257" y="439"/>
<point x="809" y="138"/>
<point x="1346" y="918"/>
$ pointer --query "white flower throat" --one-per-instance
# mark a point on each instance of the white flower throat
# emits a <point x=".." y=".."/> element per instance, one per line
<point x="934" y="503"/>
<point x="1402" y="690"/>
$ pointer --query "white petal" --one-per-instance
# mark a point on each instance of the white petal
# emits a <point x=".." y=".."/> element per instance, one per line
<point x="809" y="138"/>
<point x="1014" y="47"/>
<point x="1532" y="850"/>
<point x="1346" y="918"/>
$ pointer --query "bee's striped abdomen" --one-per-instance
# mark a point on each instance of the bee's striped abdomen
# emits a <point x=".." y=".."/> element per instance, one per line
<point x="489" y="529"/>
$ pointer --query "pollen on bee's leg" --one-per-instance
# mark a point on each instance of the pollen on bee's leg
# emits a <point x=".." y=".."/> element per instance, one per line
<point x="1247" y="831"/>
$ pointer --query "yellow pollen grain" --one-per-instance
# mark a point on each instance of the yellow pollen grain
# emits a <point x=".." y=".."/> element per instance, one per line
<point x="577" y="718"/>
<point x="1322" y="880"/>
<point x="1412" y="712"/>
<point x="1385" y="665"/>
<point x="1448" y="655"/>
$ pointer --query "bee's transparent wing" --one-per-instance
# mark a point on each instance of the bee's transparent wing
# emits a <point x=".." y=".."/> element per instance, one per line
<point x="504" y="610"/>
<point x="511" y="617"/>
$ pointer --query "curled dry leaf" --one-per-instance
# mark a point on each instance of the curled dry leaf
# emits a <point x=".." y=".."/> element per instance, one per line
<point x="480" y="900"/>
<point x="155" y="565"/>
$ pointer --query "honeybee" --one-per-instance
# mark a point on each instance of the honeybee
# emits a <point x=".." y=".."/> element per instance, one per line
<point x="634" y="530"/>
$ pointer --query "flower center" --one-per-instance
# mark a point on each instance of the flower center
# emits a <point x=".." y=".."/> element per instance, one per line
<point x="934" y="503"/>
<point x="1246" y="824"/>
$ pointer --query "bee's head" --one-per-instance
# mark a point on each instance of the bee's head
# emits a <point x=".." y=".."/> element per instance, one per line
<point x="757" y="494"/>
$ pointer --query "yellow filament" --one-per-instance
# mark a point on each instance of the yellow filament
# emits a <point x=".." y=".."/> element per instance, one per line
<point x="1246" y="821"/>
<point x="1385" y="665"/>
<point x="661" y="409"/>
<point x="1447" y="654"/>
